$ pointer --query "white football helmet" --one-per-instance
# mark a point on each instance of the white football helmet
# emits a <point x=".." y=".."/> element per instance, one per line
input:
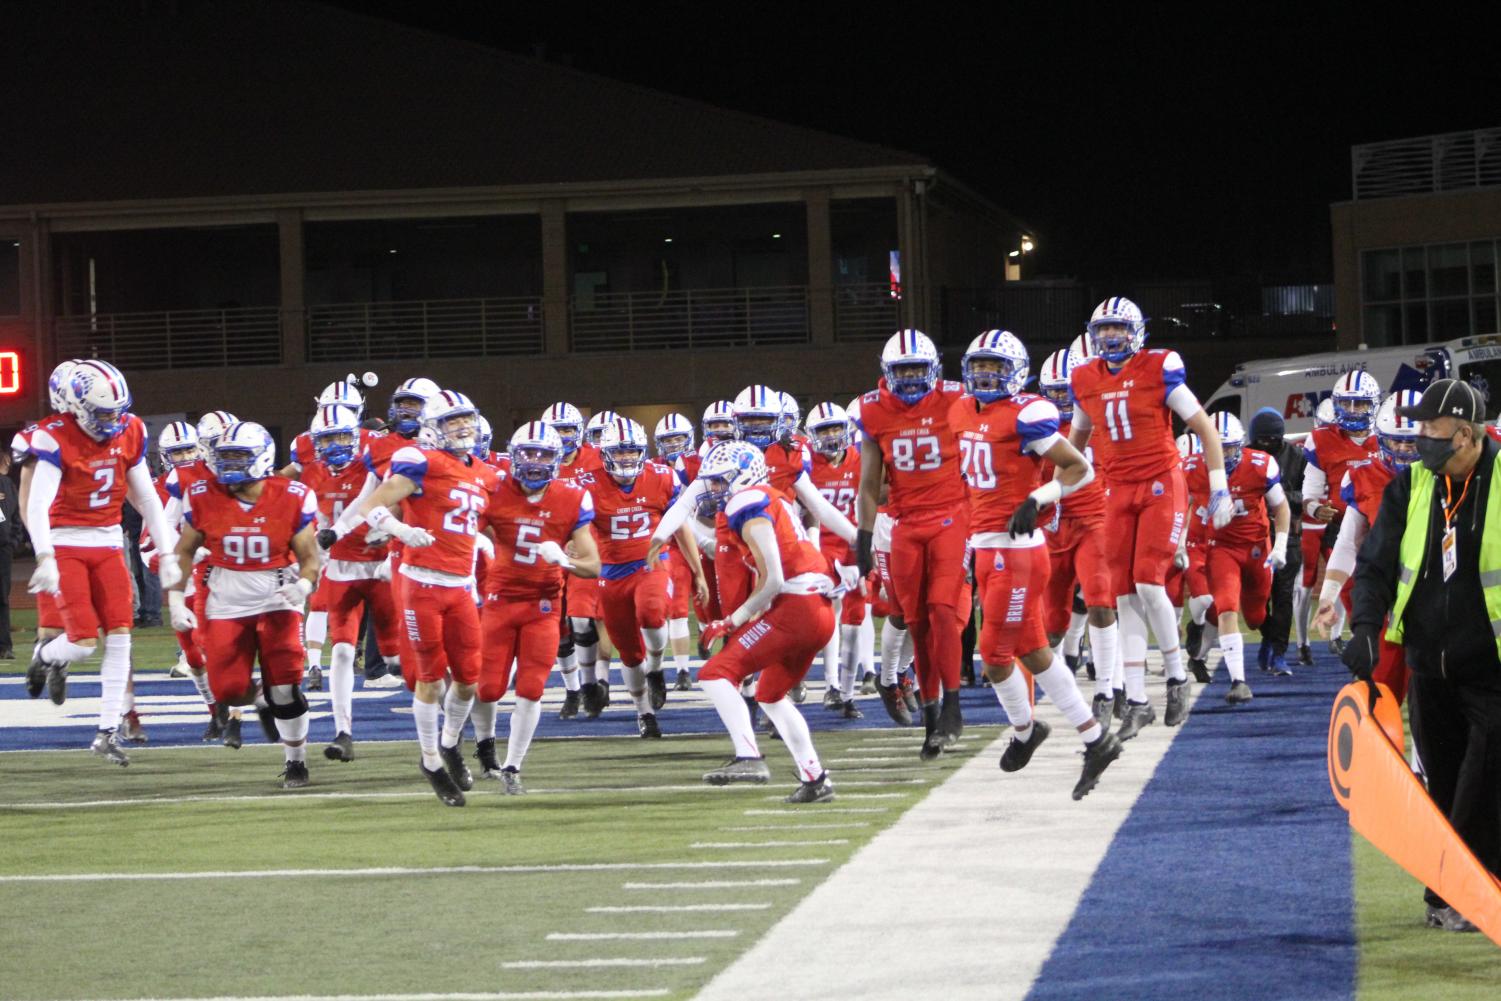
<point x="484" y="438"/>
<point x="210" y="426"/>
<point x="829" y="429"/>
<point x="758" y="415"/>
<point x="1117" y="330"/>
<point x="1323" y="414"/>
<point x="244" y="452"/>
<point x="568" y="422"/>
<point x="100" y="398"/>
<point x="730" y="467"/>
<point x="853" y="412"/>
<point x="336" y="434"/>
<point x="1398" y="435"/>
<point x="1232" y="438"/>
<point x="622" y="447"/>
<point x="1005" y="367"/>
<point x="1053" y="382"/>
<point x="792" y="416"/>
<point x="536" y="452"/>
<point x="1356" y="396"/>
<point x="910" y="363"/>
<point x="407" y="405"/>
<point x="1189" y="444"/>
<point x="60" y="386"/>
<point x="597" y="425"/>
<point x="673" y="436"/>
<point x="178" y="444"/>
<point x="342" y="394"/>
<point x="719" y="421"/>
<point x="452" y="421"/>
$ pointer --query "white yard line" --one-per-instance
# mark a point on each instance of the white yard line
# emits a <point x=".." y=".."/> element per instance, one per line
<point x="558" y="964"/>
<point x="449" y="870"/>
<point x="868" y="795"/>
<point x="637" y="936"/>
<point x="816" y="809"/>
<point x="671" y="909"/>
<point x="796" y="827"/>
<point x="768" y="844"/>
<point x="712" y="884"/>
<point x="650" y="992"/>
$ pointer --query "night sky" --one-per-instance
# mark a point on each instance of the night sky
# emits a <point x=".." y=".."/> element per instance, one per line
<point x="1172" y="150"/>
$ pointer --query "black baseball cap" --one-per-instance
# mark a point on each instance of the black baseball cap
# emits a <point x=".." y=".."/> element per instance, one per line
<point x="1447" y="398"/>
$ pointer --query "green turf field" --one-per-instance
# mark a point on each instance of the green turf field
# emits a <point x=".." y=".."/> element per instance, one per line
<point x="151" y="649"/>
<point x="635" y="810"/>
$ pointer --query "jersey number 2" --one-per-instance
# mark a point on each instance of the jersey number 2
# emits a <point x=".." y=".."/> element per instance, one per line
<point x="106" y="479"/>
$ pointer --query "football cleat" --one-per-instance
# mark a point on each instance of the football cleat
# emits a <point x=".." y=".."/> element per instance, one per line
<point x="933" y="736"/>
<point x="594" y="697"/>
<point x="1097" y="758"/>
<point x="1200" y="670"/>
<point x="57" y="683"/>
<point x="36" y="673"/>
<point x="386" y="680"/>
<point x="820" y="790"/>
<point x="484" y="751"/>
<point x="1305" y="655"/>
<point x="1138" y="715"/>
<point x="950" y="719"/>
<point x="215" y="728"/>
<point x="443" y="785"/>
<point x="868" y="683"/>
<point x="107" y="746"/>
<point x="656" y="684"/>
<point x="1239" y="693"/>
<point x="1177" y="702"/>
<point x="1193" y="637"/>
<point x="799" y="693"/>
<point x="1278" y="666"/>
<point x="570" y="706"/>
<point x="909" y="693"/>
<point x="510" y="782"/>
<point x="312" y="681"/>
<point x="341" y="748"/>
<point x="232" y="738"/>
<point x="1336" y="647"/>
<point x="1102" y="706"/>
<point x="1264" y="657"/>
<point x="851" y="711"/>
<point x="646" y="725"/>
<point x="896" y="706"/>
<point x="1019" y="752"/>
<point x="453" y="761"/>
<point x="180" y="669"/>
<point x="684" y="681"/>
<point x="295" y="776"/>
<point x="740" y="770"/>
<point x="1118" y="706"/>
<point x="1447" y="919"/>
<point x="832" y="699"/>
<point x="130" y="731"/>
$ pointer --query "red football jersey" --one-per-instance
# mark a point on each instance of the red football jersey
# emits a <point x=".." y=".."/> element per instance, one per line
<point x="1364" y="482"/>
<point x="840" y="486"/>
<point x="919" y="448"/>
<point x="1001" y="446"/>
<point x="180" y="479"/>
<point x="784" y="465"/>
<point x="1086" y="502"/>
<point x="520" y="525"/>
<point x="20" y="444"/>
<point x="377" y="450"/>
<point x="451" y="495"/>
<point x="302" y="446"/>
<point x="1132" y="425"/>
<point x="687" y="467"/>
<point x="92" y="493"/>
<point x="1332" y="450"/>
<point x="1254" y="475"/>
<point x="624" y="519"/>
<point x="588" y="459"/>
<point x="799" y="555"/>
<point x="335" y="491"/>
<point x="257" y="538"/>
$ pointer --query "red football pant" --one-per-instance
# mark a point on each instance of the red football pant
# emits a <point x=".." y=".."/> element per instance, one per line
<point x="524" y="630"/>
<point x="1143" y="524"/>
<point x="630" y="605"/>
<point x="888" y="591"/>
<point x="852" y="608"/>
<point x="187" y="642"/>
<point x="443" y="632"/>
<point x="583" y="597"/>
<point x="710" y="612"/>
<point x="318" y="600"/>
<point x="1012" y="583"/>
<point x="346" y="599"/>
<point x="1240" y="581"/>
<point x="95" y="590"/>
<point x="1076" y="553"/>
<point x="48" y="615"/>
<point x="232" y="646"/>
<point x="780" y="644"/>
<point x="1312" y="544"/>
<point x="680" y="591"/>
<point x="927" y="572"/>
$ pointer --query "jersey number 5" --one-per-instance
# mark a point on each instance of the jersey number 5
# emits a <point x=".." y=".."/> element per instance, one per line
<point x="526" y="543"/>
<point x="1117" y="420"/>
<point x="916" y="454"/>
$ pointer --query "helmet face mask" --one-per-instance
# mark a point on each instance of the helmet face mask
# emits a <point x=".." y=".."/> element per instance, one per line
<point x="831" y="439"/>
<point x="595" y="429"/>
<point x="335" y="448"/>
<point x="672" y="446"/>
<point x="758" y="416"/>
<point x="1396" y="435"/>
<point x="624" y="461"/>
<point x="406" y="414"/>
<point x="728" y="469"/>
<point x="1232" y="439"/>
<point x="534" y="466"/>
<point x="760" y="430"/>
<point x="243" y="454"/>
<point x="182" y="455"/>
<point x="484" y="438"/>
<point x="458" y="433"/>
<point x="99" y="398"/>
<point x="1117" y="330"/>
<point x="720" y="429"/>
<point x="570" y="435"/>
<point x="1060" y="397"/>
<point x="909" y="361"/>
<point x="1355" y="398"/>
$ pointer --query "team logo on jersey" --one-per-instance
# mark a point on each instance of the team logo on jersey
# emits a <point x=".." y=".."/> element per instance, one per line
<point x="1157" y="489"/>
<point x="544" y="606"/>
<point x="1000" y="560"/>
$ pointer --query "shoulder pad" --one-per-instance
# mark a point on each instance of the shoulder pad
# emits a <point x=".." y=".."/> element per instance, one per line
<point x="874" y="396"/>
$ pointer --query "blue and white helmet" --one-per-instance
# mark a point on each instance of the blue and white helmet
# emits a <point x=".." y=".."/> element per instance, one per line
<point x="536" y="453"/>
<point x="1323" y="414"/>
<point x="719" y="421"/>
<point x="1053" y="380"/>
<point x="597" y="424"/>
<point x="730" y="467"/>
<point x="343" y="394"/>
<point x="244" y="452"/>
<point x="792" y="416"/>
<point x="758" y="415"/>
<point x="1117" y="330"/>
<point x="100" y="398"/>
<point x="210" y="426"/>
<point x="1356" y="396"/>
<point x="828" y="429"/>
<point x="336" y="434"/>
<point x="1189" y="444"/>
<point x="673" y="437"/>
<point x="178" y="444"/>
<point x="408" y="403"/>
<point x="1005" y="348"/>
<point x="1398" y="435"/>
<point x="622" y="448"/>
<point x="1232" y="438"/>
<point x="60" y="386"/>
<point x="910" y="363"/>
<point x="484" y="438"/>
<point x="568" y="422"/>
<point x="451" y="420"/>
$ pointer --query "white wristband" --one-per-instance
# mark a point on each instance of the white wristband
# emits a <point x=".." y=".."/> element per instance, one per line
<point x="305" y="586"/>
<point x="1218" y="481"/>
<point x="1331" y="591"/>
<point x="175" y="599"/>
<point x="378" y="517"/>
<point x="1049" y="493"/>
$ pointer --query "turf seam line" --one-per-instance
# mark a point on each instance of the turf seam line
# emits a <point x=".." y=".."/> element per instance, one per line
<point x="100" y="877"/>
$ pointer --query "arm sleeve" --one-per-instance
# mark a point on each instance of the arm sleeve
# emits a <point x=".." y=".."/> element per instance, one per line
<point x="142" y="494"/>
<point x="1276" y="497"/>
<point x="1081" y="418"/>
<point x="46" y="479"/>
<point x="1315" y="488"/>
<point x="586" y="511"/>
<point x="1352" y="531"/>
<point x="674" y="517"/>
<point x="1182" y="401"/>
<point x="1376" y="567"/>
<point x="760" y="531"/>
<point x="351" y="518"/>
<point x="827" y="514"/>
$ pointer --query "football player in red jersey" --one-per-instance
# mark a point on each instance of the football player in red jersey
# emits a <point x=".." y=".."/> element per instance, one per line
<point x="1129" y="393"/>
<point x="1238" y="565"/>
<point x="1004" y="435"/>
<point x="1315" y="544"/>
<point x="630" y="497"/>
<point x="335" y="394"/>
<point x="836" y="475"/>
<point x="87" y="463"/>
<point x="257" y="528"/>
<point x="351" y="582"/>
<point x="442" y="491"/>
<point x="908" y="438"/>
<point x="533" y="516"/>
<point x="776" y="630"/>
<point x="1364" y="484"/>
<point x="673" y="437"/>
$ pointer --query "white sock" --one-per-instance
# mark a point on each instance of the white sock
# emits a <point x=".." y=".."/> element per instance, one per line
<point x="293" y="731"/>
<point x="602" y="667"/>
<point x="1232" y="646"/>
<point x="455" y="715"/>
<point x="588" y="672"/>
<point x="1339" y="619"/>
<point x="200" y="682"/>
<point x="725" y="695"/>
<point x="892" y="642"/>
<point x="114" y="673"/>
<point x="1075" y="633"/>
<point x="341" y="686"/>
<point x="909" y="650"/>
<point x="1301" y="607"/>
<point x="1059" y="684"/>
<point x="523" y="724"/>
<point x="867" y="640"/>
<point x="680" y="663"/>
<point x="849" y="660"/>
<point x="1158" y="609"/>
<point x="794" y="730"/>
<point x="635" y="684"/>
<point x="1133" y="646"/>
<point x="1118" y="672"/>
<point x="571" y="681"/>
<point x="677" y="629"/>
<point x="1197" y="607"/>
<point x="62" y="650"/>
<point x="831" y="661"/>
<point x="568" y="662"/>
<point x="1013" y="696"/>
<point x="1211" y="635"/>
<point x="656" y="646"/>
<point x="315" y="630"/>
<point x="482" y="715"/>
<point x="1104" y="642"/>
<point x="314" y="656"/>
<point x="425" y="715"/>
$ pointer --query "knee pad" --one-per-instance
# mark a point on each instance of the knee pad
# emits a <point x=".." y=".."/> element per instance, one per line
<point x="287" y="701"/>
<point x="1079" y="606"/>
<point x="587" y="636"/>
<point x="897" y="622"/>
<point x="565" y="645"/>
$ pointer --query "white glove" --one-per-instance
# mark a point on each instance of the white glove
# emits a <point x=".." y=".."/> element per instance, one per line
<point x="200" y="554"/>
<point x="376" y="536"/>
<point x="1221" y="509"/>
<point x="183" y="619"/>
<point x="45" y="577"/>
<point x="553" y="553"/>
<point x="295" y="593"/>
<point x="1180" y="558"/>
<point x="417" y="538"/>
<point x="383" y="572"/>
<point x="1279" y="551"/>
<point x="483" y="544"/>
<point x="169" y="571"/>
<point x="849" y="578"/>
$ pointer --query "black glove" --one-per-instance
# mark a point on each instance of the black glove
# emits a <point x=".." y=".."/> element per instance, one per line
<point x="1024" y="518"/>
<point x="327" y="538"/>
<point x="1362" y="652"/>
<point x="862" y="552"/>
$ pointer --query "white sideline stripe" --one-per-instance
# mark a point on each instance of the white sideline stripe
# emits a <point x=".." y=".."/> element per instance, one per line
<point x="820" y="809"/>
<point x="553" y="964"/>
<point x="830" y="929"/>
<point x="637" y="936"/>
<point x="711" y="884"/>
<point x="448" y="870"/>
<point x="650" y="992"/>
<point x="767" y="844"/>
<point x="668" y="909"/>
<point x="795" y="827"/>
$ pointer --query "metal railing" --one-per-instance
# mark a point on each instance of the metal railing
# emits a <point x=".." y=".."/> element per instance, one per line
<point x="698" y="318"/>
<point x="865" y="312"/>
<point x="1451" y="161"/>
<point x="445" y="328"/>
<point x="194" y="338"/>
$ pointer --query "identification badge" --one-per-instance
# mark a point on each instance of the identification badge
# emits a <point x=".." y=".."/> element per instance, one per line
<point x="1451" y="554"/>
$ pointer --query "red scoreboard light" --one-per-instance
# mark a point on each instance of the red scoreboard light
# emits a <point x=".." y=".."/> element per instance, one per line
<point x="10" y="373"/>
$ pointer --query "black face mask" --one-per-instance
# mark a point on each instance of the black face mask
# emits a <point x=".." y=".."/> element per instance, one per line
<point x="1435" y="453"/>
<point x="1269" y="445"/>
